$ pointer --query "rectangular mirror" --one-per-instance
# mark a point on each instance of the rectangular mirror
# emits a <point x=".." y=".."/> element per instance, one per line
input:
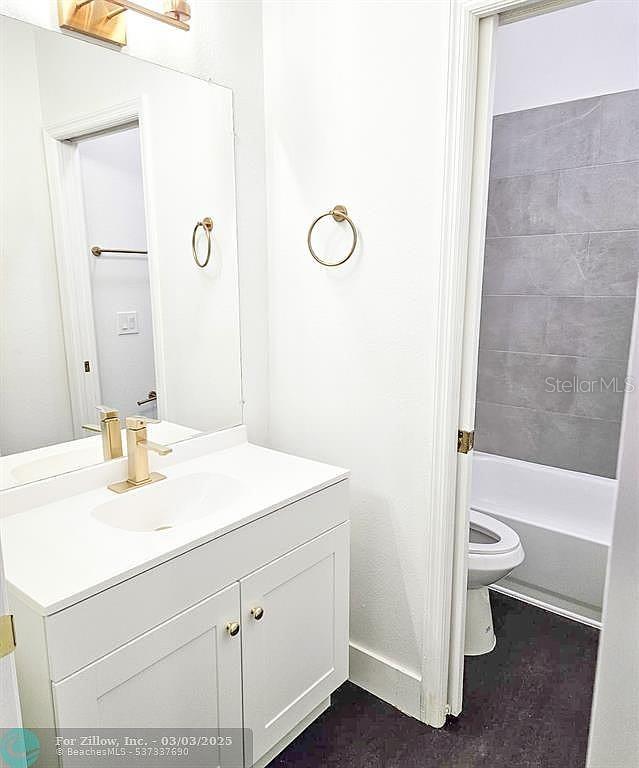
<point x="111" y="169"/>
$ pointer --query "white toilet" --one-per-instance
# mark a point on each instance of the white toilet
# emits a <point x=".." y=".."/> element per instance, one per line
<point x="494" y="550"/>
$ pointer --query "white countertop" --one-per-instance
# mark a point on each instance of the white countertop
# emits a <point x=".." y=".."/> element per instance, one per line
<point x="39" y="463"/>
<point x="58" y="553"/>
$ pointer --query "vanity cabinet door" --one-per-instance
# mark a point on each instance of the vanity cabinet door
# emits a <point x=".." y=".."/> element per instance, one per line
<point x="185" y="673"/>
<point x="295" y="649"/>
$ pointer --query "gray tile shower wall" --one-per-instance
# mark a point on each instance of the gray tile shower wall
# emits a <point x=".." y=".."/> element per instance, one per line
<point x="560" y="275"/>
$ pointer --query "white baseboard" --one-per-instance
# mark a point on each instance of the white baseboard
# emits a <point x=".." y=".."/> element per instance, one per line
<point x="385" y="679"/>
<point x="549" y="602"/>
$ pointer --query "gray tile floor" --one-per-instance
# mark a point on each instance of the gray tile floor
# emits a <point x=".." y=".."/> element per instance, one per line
<point x="527" y="705"/>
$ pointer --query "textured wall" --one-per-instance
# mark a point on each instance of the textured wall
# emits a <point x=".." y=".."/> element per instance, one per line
<point x="351" y="349"/>
<point x="562" y="256"/>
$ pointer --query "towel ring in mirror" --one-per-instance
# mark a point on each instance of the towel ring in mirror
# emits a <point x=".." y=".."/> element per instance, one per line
<point x="339" y="213"/>
<point x="207" y="226"/>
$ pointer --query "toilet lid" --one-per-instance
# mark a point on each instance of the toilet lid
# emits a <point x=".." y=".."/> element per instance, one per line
<point x="505" y="539"/>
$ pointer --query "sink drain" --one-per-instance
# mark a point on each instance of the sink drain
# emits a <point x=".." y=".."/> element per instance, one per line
<point x="163" y="528"/>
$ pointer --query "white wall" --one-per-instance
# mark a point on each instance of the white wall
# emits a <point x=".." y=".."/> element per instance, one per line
<point x="585" y="50"/>
<point x="224" y="44"/>
<point x="34" y="399"/>
<point x="113" y="193"/>
<point x="355" y="106"/>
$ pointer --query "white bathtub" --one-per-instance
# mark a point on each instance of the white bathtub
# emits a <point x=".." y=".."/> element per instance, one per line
<point x="564" y="520"/>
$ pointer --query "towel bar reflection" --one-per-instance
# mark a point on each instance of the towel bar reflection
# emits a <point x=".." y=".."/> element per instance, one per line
<point x="97" y="251"/>
<point x="339" y="213"/>
<point x="151" y="397"/>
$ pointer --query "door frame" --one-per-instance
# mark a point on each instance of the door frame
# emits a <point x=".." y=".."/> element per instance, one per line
<point x="72" y="245"/>
<point x="10" y="712"/>
<point x="468" y="128"/>
<point x="614" y="737"/>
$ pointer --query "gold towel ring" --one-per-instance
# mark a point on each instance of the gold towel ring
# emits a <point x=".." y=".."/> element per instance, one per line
<point x="339" y="213"/>
<point x="207" y="226"/>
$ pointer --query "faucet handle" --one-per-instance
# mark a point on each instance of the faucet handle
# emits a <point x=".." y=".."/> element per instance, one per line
<point x="106" y="412"/>
<point x="163" y="450"/>
<point x="137" y="422"/>
<point x="146" y="419"/>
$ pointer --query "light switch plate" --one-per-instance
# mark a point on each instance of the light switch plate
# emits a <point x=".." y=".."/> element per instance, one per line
<point x="127" y="322"/>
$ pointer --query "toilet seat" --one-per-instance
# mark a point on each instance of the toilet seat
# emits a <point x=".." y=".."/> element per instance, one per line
<point x="505" y="539"/>
<point x="487" y="563"/>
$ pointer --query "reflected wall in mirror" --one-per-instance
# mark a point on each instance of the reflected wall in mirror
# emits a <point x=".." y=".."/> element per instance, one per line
<point x="113" y="195"/>
<point x="108" y="163"/>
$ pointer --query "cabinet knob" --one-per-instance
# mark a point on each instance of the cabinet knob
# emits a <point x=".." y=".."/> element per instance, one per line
<point x="257" y="612"/>
<point x="233" y="628"/>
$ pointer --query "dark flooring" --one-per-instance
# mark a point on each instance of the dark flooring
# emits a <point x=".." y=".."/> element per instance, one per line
<point x="526" y="705"/>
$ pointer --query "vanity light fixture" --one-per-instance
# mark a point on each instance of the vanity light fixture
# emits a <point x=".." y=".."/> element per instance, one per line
<point x="106" y="20"/>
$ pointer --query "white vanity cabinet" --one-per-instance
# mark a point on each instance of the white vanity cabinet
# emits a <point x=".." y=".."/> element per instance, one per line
<point x="186" y="673"/>
<point x="294" y="655"/>
<point x="247" y="630"/>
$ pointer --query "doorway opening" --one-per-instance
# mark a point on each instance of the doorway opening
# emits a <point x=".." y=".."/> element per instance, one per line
<point x="114" y="212"/>
<point x="557" y="293"/>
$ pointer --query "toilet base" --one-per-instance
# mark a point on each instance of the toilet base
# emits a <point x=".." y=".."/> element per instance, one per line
<point x="480" y="635"/>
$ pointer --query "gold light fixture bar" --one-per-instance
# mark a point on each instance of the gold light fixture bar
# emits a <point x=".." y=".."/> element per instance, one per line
<point x="127" y="5"/>
<point x="106" y="20"/>
<point x="113" y="14"/>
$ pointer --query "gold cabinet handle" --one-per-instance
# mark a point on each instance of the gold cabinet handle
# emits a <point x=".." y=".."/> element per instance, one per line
<point x="233" y="628"/>
<point x="257" y="612"/>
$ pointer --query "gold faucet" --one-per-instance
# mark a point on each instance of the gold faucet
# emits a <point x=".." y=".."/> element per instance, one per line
<point x="109" y="427"/>
<point x="137" y="449"/>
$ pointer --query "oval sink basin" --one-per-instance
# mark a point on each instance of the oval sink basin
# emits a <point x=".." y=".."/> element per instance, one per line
<point x="169" y="503"/>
